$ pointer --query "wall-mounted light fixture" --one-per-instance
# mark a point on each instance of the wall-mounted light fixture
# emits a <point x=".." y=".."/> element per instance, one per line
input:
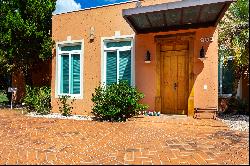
<point x="147" y="57"/>
<point x="202" y="54"/>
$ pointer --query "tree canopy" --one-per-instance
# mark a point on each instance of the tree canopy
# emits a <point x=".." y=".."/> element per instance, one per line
<point x="25" y="33"/>
<point x="234" y="38"/>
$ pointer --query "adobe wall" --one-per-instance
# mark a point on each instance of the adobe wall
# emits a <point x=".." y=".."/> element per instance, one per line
<point x="106" y="21"/>
<point x="205" y="73"/>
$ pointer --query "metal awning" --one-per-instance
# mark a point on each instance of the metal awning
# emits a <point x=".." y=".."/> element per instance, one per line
<point x="183" y="14"/>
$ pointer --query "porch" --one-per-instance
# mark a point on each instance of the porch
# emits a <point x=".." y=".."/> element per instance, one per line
<point x="178" y="36"/>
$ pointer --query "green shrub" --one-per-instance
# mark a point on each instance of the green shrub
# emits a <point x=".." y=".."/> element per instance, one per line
<point x="117" y="102"/>
<point x="38" y="99"/>
<point x="235" y="105"/>
<point x="30" y="97"/>
<point x="3" y="98"/>
<point x="65" y="107"/>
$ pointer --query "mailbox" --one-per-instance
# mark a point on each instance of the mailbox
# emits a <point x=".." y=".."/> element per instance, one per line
<point x="12" y="89"/>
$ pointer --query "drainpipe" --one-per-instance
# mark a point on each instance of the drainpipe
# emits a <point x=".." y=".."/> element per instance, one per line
<point x="220" y="79"/>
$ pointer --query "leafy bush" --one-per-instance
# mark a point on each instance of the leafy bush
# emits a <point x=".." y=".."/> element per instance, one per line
<point x="3" y="98"/>
<point x="235" y="105"/>
<point x="117" y="102"/>
<point x="38" y="99"/>
<point x="65" y="108"/>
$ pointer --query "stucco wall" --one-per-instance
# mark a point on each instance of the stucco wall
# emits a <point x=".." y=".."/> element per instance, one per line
<point x="206" y="72"/>
<point x="106" y="21"/>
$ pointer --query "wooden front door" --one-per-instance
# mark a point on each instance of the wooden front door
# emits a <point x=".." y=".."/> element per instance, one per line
<point x="174" y="77"/>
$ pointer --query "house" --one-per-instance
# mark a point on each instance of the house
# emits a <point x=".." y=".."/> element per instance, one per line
<point x="168" y="49"/>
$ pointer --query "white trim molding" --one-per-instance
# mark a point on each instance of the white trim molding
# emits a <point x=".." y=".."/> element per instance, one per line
<point x="104" y="40"/>
<point x="58" y="66"/>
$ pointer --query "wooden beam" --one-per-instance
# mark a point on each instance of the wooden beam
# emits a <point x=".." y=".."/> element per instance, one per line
<point x="221" y="13"/>
<point x="170" y="6"/>
<point x="178" y="27"/>
<point x="199" y="16"/>
<point x="148" y="20"/>
<point x="181" y="19"/>
<point x="165" y="19"/>
<point x="188" y="3"/>
<point x="131" y="24"/>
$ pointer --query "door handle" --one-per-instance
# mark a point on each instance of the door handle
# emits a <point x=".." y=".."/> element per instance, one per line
<point x="175" y="85"/>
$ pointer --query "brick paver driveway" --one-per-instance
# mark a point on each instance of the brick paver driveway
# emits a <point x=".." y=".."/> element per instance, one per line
<point x="143" y="140"/>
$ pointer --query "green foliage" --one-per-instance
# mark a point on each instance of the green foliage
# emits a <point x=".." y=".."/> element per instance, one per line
<point x="236" y="105"/>
<point x="3" y="98"/>
<point x="228" y="78"/>
<point x="117" y="102"/>
<point x="38" y="99"/>
<point x="234" y="38"/>
<point x="25" y="32"/>
<point x="65" y="107"/>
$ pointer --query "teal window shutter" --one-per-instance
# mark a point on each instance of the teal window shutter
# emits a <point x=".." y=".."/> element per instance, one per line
<point x="111" y="68"/>
<point x="71" y="48"/>
<point x="64" y="84"/>
<point x="118" y="44"/>
<point x="75" y="74"/>
<point x="125" y="66"/>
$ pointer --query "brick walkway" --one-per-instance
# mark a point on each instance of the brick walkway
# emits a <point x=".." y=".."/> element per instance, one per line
<point x="148" y="140"/>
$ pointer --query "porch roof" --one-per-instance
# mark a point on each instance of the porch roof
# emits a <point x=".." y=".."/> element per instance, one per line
<point x="176" y="15"/>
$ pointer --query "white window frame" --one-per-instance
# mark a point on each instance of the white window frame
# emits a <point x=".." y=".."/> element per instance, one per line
<point x="104" y="51"/>
<point x="59" y="53"/>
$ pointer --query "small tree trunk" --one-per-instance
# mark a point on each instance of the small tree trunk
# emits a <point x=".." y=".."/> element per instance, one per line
<point x="28" y="76"/>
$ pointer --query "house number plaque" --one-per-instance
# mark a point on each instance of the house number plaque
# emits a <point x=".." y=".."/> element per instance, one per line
<point x="207" y="39"/>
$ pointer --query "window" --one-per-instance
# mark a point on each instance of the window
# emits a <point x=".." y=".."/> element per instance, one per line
<point x="226" y="77"/>
<point x="69" y="69"/>
<point x="117" y="61"/>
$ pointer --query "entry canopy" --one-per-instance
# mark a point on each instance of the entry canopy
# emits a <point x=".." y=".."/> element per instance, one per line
<point x="183" y="14"/>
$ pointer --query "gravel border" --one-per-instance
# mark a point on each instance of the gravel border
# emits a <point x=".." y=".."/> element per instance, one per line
<point x="236" y="122"/>
<point x="59" y="116"/>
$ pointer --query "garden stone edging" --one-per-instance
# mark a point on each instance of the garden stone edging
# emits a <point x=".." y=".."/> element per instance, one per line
<point x="60" y="116"/>
<point x="236" y="122"/>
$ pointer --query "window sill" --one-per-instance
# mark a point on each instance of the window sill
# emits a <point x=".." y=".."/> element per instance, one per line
<point x="71" y="96"/>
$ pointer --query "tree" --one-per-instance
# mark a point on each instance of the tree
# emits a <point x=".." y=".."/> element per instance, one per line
<point x="25" y="33"/>
<point x="234" y="39"/>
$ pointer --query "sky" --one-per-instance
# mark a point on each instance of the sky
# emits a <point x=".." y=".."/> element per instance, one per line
<point x="63" y="6"/>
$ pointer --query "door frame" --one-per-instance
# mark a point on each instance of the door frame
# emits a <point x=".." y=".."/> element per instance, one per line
<point x="170" y="38"/>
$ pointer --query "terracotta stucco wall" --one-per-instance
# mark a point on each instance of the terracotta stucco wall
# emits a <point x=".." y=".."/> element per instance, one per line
<point x="206" y="72"/>
<point x="106" y="21"/>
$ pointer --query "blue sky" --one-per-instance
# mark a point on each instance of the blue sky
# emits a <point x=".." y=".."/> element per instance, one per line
<point x="63" y="6"/>
<point x="92" y="3"/>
